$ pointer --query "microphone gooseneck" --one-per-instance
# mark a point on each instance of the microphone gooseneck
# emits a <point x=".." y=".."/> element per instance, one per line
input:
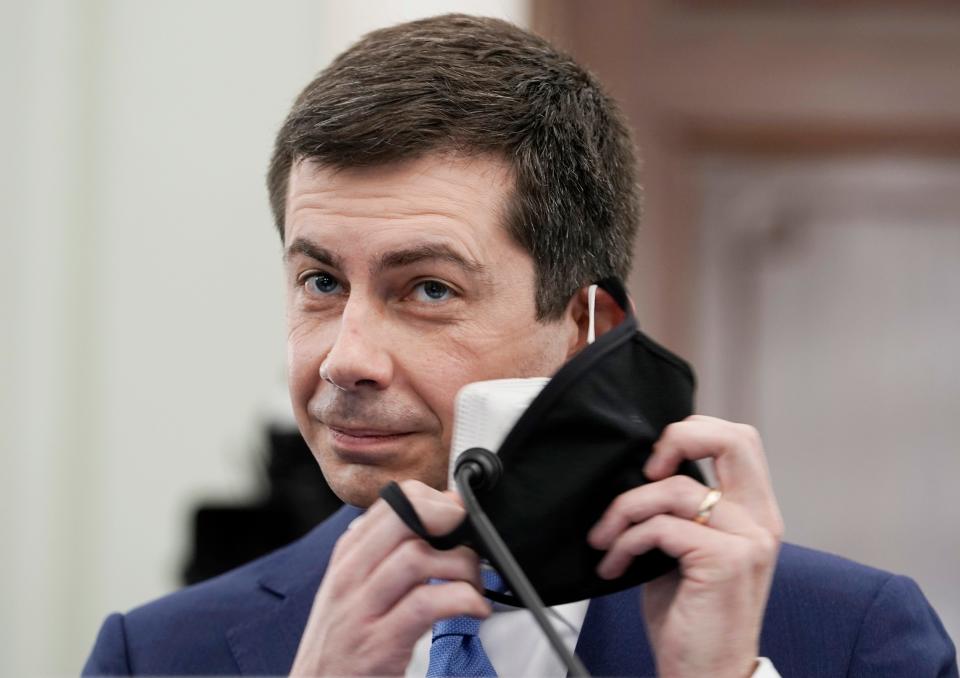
<point x="481" y="468"/>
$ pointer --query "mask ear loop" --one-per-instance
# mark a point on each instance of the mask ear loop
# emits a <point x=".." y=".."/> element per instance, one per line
<point x="591" y="309"/>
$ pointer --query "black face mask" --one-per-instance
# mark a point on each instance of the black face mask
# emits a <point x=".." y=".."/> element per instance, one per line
<point x="582" y="441"/>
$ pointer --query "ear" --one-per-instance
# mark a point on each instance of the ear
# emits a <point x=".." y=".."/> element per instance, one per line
<point x="607" y="314"/>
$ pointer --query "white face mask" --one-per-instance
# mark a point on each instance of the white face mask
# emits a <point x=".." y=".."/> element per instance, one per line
<point x="485" y="411"/>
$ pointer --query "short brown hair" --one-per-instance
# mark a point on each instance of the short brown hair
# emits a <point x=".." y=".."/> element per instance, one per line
<point x="477" y="85"/>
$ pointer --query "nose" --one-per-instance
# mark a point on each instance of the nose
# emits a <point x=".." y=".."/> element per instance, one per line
<point x="359" y="357"/>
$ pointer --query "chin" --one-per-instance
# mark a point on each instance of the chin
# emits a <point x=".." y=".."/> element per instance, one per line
<point x="361" y="498"/>
<point x="359" y="485"/>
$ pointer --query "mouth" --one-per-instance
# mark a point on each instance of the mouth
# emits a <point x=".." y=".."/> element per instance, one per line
<point x="366" y="445"/>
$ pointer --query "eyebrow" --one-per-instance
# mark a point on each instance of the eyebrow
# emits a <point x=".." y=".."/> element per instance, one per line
<point x="426" y="252"/>
<point x="314" y="251"/>
<point x="394" y="259"/>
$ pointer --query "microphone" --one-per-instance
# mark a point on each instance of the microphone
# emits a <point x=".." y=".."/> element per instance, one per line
<point x="485" y="468"/>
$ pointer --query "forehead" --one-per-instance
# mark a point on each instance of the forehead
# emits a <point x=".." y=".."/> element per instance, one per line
<point x="436" y="196"/>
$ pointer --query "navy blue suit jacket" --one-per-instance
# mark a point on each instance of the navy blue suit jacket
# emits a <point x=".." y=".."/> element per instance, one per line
<point x="826" y="617"/>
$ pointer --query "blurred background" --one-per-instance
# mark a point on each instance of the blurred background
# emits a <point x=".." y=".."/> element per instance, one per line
<point x="801" y="246"/>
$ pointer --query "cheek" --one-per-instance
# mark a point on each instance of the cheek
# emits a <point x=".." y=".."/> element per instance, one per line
<point x="511" y="348"/>
<point x="542" y="352"/>
<point x="435" y="369"/>
<point x="306" y="349"/>
<point x="479" y="354"/>
<point x="439" y="374"/>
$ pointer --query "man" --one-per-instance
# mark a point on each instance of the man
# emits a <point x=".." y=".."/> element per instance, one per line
<point x="445" y="191"/>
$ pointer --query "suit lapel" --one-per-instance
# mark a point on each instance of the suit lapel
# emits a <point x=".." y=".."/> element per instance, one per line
<point x="266" y="645"/>
<point x="613" y="639"/>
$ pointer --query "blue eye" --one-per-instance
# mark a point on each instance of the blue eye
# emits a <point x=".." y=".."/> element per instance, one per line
<point x="433" y="290"/>
<point x="322" y="283"/>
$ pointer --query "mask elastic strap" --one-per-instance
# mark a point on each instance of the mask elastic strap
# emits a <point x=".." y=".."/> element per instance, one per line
<point x="592" y="307"/>
<point x="394" y="496"/>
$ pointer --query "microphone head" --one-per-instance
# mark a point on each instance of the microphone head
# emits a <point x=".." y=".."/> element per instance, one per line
<point x="486" y="471"/>
<point x="485" y="411"/>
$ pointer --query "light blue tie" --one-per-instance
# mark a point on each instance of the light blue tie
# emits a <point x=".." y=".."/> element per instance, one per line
<point x="456" y="649"/>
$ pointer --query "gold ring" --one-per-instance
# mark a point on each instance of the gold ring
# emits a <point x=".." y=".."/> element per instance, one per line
<point x="706" y="506"/>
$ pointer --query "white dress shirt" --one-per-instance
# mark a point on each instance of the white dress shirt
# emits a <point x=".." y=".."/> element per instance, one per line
<point x="509" y="629"/>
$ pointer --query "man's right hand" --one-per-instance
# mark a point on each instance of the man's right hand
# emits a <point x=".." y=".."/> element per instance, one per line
<point x="375" y="600"/>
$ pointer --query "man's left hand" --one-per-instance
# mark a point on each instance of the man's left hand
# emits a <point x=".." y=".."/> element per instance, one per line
<point x="704" y="618"/>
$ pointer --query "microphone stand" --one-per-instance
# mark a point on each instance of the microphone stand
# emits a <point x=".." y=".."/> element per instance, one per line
<point x="478" y="467"/>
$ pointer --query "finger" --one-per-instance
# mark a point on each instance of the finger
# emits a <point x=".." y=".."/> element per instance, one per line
<point x="413" y="563"/>
<point x="361" y="549"/>
<point x="418" y="610"/>
<point x="419" y="494"/>
<point x="674" y="536"/>
<point x="680" y="496"/>
<point x="453" y="496"/>
<point x="699" y="437"/>
<point x="738" y="457"/>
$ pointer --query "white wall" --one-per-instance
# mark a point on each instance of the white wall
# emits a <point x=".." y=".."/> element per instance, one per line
<point x="141" y="331"/>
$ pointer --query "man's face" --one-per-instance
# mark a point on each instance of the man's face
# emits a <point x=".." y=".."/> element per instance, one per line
<point x="402" y="286"/>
